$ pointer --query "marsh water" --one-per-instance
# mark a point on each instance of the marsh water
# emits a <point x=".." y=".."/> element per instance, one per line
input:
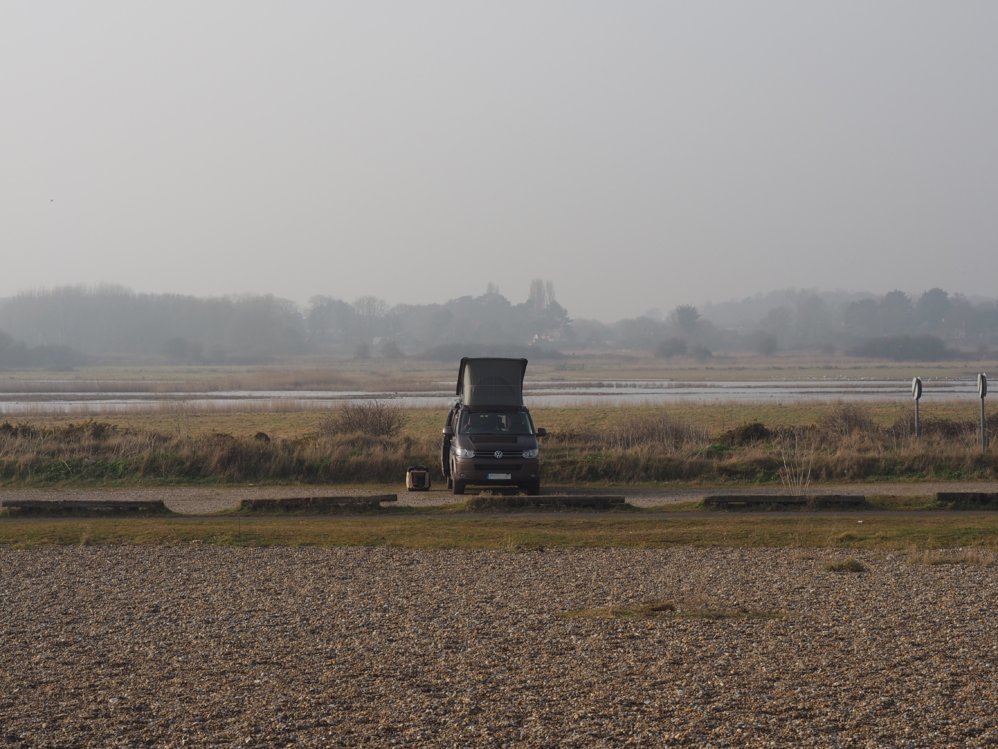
<point x="91" y="399"/>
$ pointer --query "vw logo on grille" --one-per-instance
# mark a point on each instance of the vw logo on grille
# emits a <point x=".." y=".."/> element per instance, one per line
<point x="498" y="454"/>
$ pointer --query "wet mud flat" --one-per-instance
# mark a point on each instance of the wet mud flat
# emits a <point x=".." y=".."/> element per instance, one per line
<point x="225" y="646"/>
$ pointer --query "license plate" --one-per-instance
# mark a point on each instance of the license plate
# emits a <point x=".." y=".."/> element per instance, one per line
<point x="500" y="476"/>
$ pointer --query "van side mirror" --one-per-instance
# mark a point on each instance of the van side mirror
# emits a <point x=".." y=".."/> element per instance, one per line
<point x="447" y="431"/>
<point x="542" y="432"/>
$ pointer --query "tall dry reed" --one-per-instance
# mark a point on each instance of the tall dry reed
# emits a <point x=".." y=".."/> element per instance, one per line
<point x="377" y="443"/>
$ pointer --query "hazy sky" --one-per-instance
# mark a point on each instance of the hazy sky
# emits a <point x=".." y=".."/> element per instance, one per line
<point x="638" y="154"/>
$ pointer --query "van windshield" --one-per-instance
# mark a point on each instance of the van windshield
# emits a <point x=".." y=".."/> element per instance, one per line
<point x="495" y="422"/>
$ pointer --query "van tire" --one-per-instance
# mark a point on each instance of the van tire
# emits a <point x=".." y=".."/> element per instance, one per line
<point x="444" y="455"/>
<point x="533" y="488"/>
<point x="457" y="487"/>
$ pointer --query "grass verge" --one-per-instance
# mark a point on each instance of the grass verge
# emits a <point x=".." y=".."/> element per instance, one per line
<point x="446" y="529"/>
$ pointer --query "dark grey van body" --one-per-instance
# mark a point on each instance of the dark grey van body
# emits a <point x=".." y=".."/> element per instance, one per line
<point x="489" y="437"/>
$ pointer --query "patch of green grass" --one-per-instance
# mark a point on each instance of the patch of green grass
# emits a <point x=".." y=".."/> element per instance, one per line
<point x="446" y="528"/>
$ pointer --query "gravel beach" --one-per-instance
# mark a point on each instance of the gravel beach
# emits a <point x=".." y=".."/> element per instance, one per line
<point x="210" y="646"/>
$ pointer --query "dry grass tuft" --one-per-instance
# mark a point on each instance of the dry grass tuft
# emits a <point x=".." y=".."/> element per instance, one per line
<point x="651" y="610"/>
<point x="847" y="419"/>
<point x="372" y="418"/>
<point x="735" y="613"/>
<point x="654" y="428"/>
<point x="668" y="610"/>
<point x="846" y="565"/>
<point x="797" y="458"/>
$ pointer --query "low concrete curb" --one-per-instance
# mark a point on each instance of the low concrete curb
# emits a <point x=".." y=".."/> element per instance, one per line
<point x="85" y="507"/>
<point x="968" y="500"/>
<point x="317" y="504"/>
<point x="784" y="502"/>
<point x="547" y="502"/>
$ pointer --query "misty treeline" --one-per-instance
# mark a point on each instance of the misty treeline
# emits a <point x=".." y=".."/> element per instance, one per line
<point x="65" y="327"/>
<point x="16" y="354"/>
<point x="110" y="321"/>
<point x="931" y="326"/>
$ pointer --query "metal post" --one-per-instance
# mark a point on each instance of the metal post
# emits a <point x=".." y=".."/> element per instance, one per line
<point x="982" y="391"/>
<point x="916" y="394"/>
<point x="984" y="430"/>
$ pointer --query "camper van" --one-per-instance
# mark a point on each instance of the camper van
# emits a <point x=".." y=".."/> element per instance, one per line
<point x="489" y="438"/>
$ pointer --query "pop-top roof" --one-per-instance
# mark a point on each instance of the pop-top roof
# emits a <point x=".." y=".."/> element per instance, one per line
<point x="491" y="381"/>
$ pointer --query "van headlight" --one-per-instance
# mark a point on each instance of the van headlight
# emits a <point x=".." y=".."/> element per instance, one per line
<point x="531" y="453"/>
<point x="463" y="452"/>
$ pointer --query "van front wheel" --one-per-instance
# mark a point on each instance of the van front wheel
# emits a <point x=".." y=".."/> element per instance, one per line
<point x="458" y="487"/>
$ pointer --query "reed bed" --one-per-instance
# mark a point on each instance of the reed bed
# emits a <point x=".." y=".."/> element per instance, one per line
<point x="377" y="441"/>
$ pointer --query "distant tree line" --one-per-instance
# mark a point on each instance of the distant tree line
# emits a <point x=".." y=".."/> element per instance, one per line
<point x="112" y="321"/>
<point x="16" y="354"/>
<point x="59" y="328"/>
<point x="490" y="319"/>
<point x="932" y="326"/>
